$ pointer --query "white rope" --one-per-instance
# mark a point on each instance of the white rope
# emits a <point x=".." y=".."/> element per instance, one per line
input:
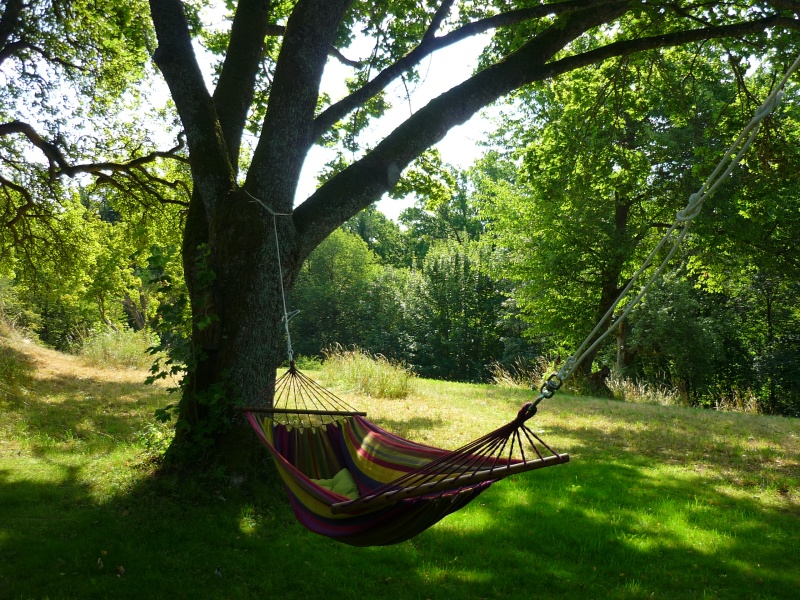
<point x="683" y="220"/>
<point x="286" y="316"/>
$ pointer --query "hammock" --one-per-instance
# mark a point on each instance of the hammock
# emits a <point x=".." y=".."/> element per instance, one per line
<point x="402" y="487"/>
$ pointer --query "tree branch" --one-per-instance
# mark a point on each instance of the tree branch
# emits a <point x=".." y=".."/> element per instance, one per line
<point x="52" y="152"/>
<point x="286" y="134"/>
<point x="438" y="18"/>
<point x="212" y="169"/>
<point x="279" y="30"/>
<point x="429" y="45"/>
<point x="59" y="165"/>
<point x="104" y="172"/>
<point x="10" y="20"/>
<point x="21" y="210"/>
<point x="366" y="180"/>
<point x="236" y="86"/>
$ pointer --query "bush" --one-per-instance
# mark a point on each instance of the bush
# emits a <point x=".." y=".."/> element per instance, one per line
<point x="359" y="371"/>
<point x="123" y="349"/>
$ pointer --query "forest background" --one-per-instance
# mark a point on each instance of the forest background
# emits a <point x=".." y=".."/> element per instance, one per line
<point x="495" y="268"/>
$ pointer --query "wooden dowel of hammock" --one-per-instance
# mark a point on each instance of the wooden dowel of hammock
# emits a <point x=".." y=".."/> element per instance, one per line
<point x="301" y="411"/>
<point x="372" y="502"/>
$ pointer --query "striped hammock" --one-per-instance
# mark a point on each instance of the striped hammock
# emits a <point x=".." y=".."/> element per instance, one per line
<point x="403" y="487"/>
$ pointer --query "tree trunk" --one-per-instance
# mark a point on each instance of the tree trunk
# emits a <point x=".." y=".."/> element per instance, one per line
<point x="237" y="340"/>
<point x="625" y="357"/>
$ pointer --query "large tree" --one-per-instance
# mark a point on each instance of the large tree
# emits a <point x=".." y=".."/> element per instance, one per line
<point x="274" y="54"/>
<point x="80" y="175"/>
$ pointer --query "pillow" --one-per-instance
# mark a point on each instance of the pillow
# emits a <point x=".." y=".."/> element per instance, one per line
<point x="342" y="484"/>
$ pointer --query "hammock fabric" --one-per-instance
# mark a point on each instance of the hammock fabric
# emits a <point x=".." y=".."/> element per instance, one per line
<point x="403" y="487"/>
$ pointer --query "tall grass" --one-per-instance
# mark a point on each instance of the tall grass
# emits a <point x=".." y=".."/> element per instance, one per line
<point x="521" y="374"/>
<point x="359" y="371"/>
<point x="125" y="348"/>
<point x="15" y="371"/>
<point x="630" y="390"/>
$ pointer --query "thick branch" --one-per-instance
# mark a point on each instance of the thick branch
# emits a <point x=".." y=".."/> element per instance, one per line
<point x="626" y="47"/>
<point x="236" y="86"/>
<point x="10" y="20"/>
<point x="14" y="48"/>
<point x="438" y="19"/>
<point x="59" y="165"/>
<point x="288" y="124"/>
<point x="430" y="44"/>
<point x="52" y="152"/>
<point x="212" y="170"/>
<point x="366" y="180"/>
<point x="104" y="171"/>
<point x="792" y="5"/>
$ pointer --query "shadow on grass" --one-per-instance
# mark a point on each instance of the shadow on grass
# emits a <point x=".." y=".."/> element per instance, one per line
<point x="97" y="415"/>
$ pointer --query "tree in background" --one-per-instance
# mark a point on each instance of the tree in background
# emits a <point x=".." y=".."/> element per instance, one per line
<point x="453" y="307"/>
<point x="82" y="184"/>
<point x="594" y="194"/>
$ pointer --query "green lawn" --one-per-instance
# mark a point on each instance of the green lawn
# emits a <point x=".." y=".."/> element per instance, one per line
<point x="656" y="503"/>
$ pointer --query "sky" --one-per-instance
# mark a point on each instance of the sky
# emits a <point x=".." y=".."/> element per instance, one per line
<point x="439" y="72"/>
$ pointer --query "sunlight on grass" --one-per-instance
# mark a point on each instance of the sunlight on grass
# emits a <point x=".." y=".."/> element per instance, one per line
<point x="359" y="371"/>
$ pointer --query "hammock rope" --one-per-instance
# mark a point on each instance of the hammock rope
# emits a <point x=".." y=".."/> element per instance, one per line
<point x="683" y="221"/>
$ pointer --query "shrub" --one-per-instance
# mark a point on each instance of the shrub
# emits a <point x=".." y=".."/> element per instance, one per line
<point x="124" y="348"/>
<point x="360" y="371"/>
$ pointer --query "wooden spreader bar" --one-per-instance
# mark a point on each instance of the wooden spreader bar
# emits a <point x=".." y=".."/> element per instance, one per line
<point x="302" y="411"/>
<point x="368" y="502"/>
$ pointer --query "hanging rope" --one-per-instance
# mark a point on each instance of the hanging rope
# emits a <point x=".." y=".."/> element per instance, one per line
<point x="286" y="316"/>
<point x="683" y="221"/>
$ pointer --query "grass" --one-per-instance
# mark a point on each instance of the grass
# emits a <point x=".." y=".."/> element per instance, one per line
<point x="125" y="348"/>
<point x="657" y="502"/>
<point x="358" y="371"/>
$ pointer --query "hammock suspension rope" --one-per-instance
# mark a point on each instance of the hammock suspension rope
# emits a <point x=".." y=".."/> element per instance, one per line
<point x="683" y="221"/>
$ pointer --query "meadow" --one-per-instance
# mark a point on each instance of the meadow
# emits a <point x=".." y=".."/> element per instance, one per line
<point x="657" y="502"/>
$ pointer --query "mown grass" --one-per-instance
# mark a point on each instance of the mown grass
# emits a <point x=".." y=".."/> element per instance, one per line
<point x="657" y="502"/>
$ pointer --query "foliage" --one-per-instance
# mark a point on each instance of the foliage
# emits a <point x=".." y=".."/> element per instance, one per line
<point x="337" y="293"/>
<point x="382" y="235"/>
<point x="453" y="306"/>
<point x="271" y="58"/>
<point x="361" y="372"/>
